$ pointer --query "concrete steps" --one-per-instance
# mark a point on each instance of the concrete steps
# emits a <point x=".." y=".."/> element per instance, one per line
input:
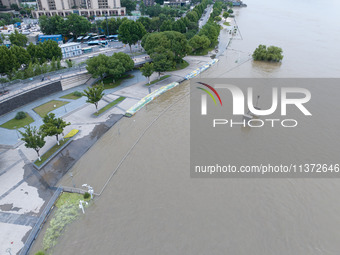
<point x="74" y="81"/>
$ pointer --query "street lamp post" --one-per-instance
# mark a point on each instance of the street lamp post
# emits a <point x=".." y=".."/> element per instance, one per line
<point x="81" y="205"/>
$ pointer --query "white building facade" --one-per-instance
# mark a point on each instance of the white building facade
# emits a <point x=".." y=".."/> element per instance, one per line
<point x="70" y="50"/>
<point x="81" y="7"/>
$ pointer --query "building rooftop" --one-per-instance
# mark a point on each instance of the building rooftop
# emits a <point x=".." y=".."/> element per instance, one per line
<point x="69" y="44"/>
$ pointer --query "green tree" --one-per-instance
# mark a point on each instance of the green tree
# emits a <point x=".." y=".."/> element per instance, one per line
<point x="31" y="50"/>
<point x="15" y="7"/>
<point x="161" y="62"/>
<point x="199" y="43"/>
<point x="146" y="22"/>
<point x="142" y="8"/>
<point x="37" y="69"/>
<point x="217" y="18"/>
<point x="53" y="25"/>
<point x="45" y="68"/>
<point x="33" y="138"/>
<point x="29" y="71"/>
<point x="76" y="25"/>
<point x="130" y="5"/>
<point x="97" y="66"/>
<point x="94" y="94"/>
<point x="272" y="53"/>
<point x="155" y="24"/>
<point x="225" y="15"/>
<point x="53" y="64"/>
<point x="69" y="63"/>
<point x="147" y="70"/>
<point x="18" y="39"/>
<point x="130" y="32"/>
<point x="173" y="41"/>
<point x="51" y="49"/>
<point x="53" y="126"/>
<point x="115" y="68"/>
<point x="125" y="59"/>
<point x="193" y="16"/>
<point x="166" y="25"/>
<point x="58" y="64"/>
<point x="40" y="53"/>
<point x="7" y="61"/>
<point x="210" y="30"/>
<point x="20" y="55"/>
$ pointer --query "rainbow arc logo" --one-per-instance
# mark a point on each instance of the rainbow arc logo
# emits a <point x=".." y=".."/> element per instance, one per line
<point x="204" y="97"/>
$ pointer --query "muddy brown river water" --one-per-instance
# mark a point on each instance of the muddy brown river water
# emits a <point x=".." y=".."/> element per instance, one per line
<point x="152" y="206"/>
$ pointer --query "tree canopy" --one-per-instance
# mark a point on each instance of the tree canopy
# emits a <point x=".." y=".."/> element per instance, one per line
<point x="147" y="70"/>
<point x="130" y="5"/>
<point x="18" y="39"/>
<point x="33" y="138"/>
<point x="97" y="66"/>
<point x="199" y="43"/>
<point x="53" y="126"/>
<point x="272" y="53"/>
<point x="113" y="66"/>
<point x="130" y="32"/>
<point x="171" y="41"/>
<point x="7" y="61"/>
<point x="94" y="94"/>
<point x="73" y="26"/>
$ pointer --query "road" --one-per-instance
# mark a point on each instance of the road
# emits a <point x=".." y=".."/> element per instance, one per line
<point x="205" y="17"/>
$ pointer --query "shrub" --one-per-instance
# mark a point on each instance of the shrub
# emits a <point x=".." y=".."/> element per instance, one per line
<point x="87" y="195"/>
<point x="77" y="94"/>
<point x="40" y="253"/>
<point x="272" y="53"/>
<point x="20" y="115"/>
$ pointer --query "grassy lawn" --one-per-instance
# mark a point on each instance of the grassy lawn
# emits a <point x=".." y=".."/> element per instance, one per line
<point x="71" y="96"/>
<point x="160" y="79"/>
<point x="180" y="66"/>
<point x="69" y="198"/>
<point x="44" y="109"/>
<point x="14" y="123"/>
<point x="110" y="105"/>
<point x="49" y="153"/>
<point x="108" y="84"/>
<point x="226" y="23"/>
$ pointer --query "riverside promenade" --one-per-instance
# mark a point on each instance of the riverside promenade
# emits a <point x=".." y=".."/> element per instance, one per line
<point x="24" y="191"/>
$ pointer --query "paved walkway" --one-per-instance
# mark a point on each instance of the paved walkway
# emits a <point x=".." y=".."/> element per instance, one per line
<point x="23" y="190"/>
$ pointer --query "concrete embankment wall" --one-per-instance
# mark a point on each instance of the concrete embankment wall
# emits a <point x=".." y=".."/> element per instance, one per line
<point x="75" y="81"/>
<point x="147" y="99"/>
<point x="29" y="96"/>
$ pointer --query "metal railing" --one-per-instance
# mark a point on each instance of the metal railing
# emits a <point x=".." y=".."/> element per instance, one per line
<point x="41" y="220"/>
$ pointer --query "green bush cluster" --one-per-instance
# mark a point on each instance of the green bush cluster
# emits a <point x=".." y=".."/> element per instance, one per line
<point x="40" y="253"/>
<point x="35" y="69"/>
<point x="87" y="195"/>
<point x="77" y="94"/>
<point x="20" y="115"/>
<point x="18" y="62"/>
<point x="271" y="54"/>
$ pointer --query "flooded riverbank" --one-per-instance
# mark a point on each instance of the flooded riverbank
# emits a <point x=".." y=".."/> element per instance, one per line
<point x="152" y="206"/>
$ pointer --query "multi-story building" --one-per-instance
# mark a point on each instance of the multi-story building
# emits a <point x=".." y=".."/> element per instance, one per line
<point x="71" y="49"/>
<point x="149" y="2"/>
<point x="7" y="3"/>
<point x="82" y="7"/>
<point x="176" y="2"/>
